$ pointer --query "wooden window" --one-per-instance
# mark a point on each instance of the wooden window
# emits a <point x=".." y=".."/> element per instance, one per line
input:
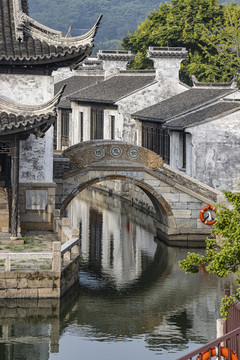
<point x="65" y="127"/>
<point x="155" y="138"/>
<point x="182" y="150"/>
<point x="81" y="125"/>
<point x="112" y="120"/>
<point x="55" y="135"/>
<point x="96" y="124"/>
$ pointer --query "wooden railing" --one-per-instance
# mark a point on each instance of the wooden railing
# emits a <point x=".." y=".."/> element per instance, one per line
<point x="231" y="340"/>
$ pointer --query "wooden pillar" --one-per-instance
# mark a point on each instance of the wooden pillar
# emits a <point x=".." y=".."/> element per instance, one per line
<point x="15" y="187"/>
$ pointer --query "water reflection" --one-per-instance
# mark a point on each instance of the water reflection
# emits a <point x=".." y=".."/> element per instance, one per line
<point x="132" y="302"/>
<point x="29" y="329"/>
<point x="117" y="242"/>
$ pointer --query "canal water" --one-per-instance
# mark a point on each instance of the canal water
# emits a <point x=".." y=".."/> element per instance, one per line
<point x="132" y="301"/>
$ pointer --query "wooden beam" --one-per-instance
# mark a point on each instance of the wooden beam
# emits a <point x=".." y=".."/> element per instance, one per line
<point x="15" y="187"/>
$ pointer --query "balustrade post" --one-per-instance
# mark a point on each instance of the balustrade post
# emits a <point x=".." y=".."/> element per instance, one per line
<point x="7" y="266"/>
<point x="56" y="262"/>
<point x="75" y="249"/>
<point x="56" y="217"/>
<point x="67" y="256"/>
<point x="65" y="224"/>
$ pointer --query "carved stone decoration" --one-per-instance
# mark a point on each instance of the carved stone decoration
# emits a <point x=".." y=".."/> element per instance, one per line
<point x="98" y="153"/>
<point x="112" y="153"/>
<point x="133" y="153"/>
<point x="116" y="151"/>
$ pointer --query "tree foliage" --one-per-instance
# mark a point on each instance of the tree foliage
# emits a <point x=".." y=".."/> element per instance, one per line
<point x="209" y="30"/>
<point x="222" y="255"/>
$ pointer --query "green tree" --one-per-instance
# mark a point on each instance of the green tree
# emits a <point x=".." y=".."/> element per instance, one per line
<point x="209" y="31"/>
<point x="222" y="255"/>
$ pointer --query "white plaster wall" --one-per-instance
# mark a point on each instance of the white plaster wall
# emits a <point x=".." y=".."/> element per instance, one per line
<point x="216" y="152"/>
<point x="75" y="130"/>
<point x="174" y="150"/>
<point x="36" y="160"/>
<point x="167" y="69"/>
<point x="113" y="67"/>
<point x="141" y="99"/>
<point x="107" y="124"/>
<point x="86" y="110"/>
<point x="27" y="89"/>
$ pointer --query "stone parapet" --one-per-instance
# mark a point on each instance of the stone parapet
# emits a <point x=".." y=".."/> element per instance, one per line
<point x="41" y="283"/>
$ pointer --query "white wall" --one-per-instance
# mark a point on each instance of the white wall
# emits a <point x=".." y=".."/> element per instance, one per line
<point x="216" y="152"/>
<point x="139" y="100"/>
<point x="36" y="161"/>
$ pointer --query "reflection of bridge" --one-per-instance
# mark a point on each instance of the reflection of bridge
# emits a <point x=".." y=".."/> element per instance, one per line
<point x="177" y="198"/>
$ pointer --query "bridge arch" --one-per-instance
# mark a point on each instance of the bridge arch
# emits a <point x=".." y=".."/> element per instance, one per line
<point x="163" y="210"/>
<point x="176" y="197"/>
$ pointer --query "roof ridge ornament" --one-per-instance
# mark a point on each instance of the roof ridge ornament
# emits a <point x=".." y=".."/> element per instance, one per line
<point x="231" y="84"/>
<point x="29" y="44"/>
<point x="167" y="52"/>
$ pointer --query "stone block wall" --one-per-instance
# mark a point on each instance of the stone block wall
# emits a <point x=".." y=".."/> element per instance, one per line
<point x="30" y="284"/>
<point x="36" y="205"/>
<point x="38" y="284"/>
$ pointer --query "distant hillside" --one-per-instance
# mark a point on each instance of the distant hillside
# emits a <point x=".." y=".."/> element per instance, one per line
<point x="119" y="16"/>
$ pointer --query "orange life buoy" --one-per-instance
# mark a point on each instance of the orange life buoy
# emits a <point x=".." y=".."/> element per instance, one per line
<point x="214" y="352"/>
<point x="205" y="220"/>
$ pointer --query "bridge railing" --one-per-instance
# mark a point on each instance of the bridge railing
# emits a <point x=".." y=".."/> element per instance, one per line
<point x="231" y="340"/>
<point x="61" y="227"/>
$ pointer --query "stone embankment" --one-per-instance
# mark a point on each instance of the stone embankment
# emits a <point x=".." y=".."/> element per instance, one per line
<point x="41" y="267"/>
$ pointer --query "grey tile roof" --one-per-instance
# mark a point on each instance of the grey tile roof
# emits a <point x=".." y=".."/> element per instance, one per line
<point x="25" y="42"/>
<point x="113" y="89"/>
<point x="18" y="118"/>
<point x="74" y="84"/>
<point x="219" y="109"/>
<point x="181" y="103"/>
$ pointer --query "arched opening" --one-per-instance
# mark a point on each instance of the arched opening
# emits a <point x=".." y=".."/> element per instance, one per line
<point x="161" y="206"/>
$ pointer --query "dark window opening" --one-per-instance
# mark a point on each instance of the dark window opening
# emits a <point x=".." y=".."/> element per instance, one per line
<point x="182" y="150"/>
<point x="81" y="126"/>
<point x="112" y="127"/>
<point x="65" y="127"/>
<point x="96" y="124"/>
<point x="55" y="135"/>
<point x="157" y="139"/>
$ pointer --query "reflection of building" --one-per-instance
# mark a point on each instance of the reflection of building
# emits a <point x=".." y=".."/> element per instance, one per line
<point x="29" y="54"/>
<point x="113" y="244"/>
<point x="29" y="328"/>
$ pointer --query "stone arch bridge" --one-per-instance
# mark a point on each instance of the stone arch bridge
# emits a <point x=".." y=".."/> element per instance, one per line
<point x="177" y="198"/>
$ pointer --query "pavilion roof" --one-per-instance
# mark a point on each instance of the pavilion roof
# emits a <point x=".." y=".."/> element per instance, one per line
<point x="18" y="118"/>
<point x="26" y="43"/>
